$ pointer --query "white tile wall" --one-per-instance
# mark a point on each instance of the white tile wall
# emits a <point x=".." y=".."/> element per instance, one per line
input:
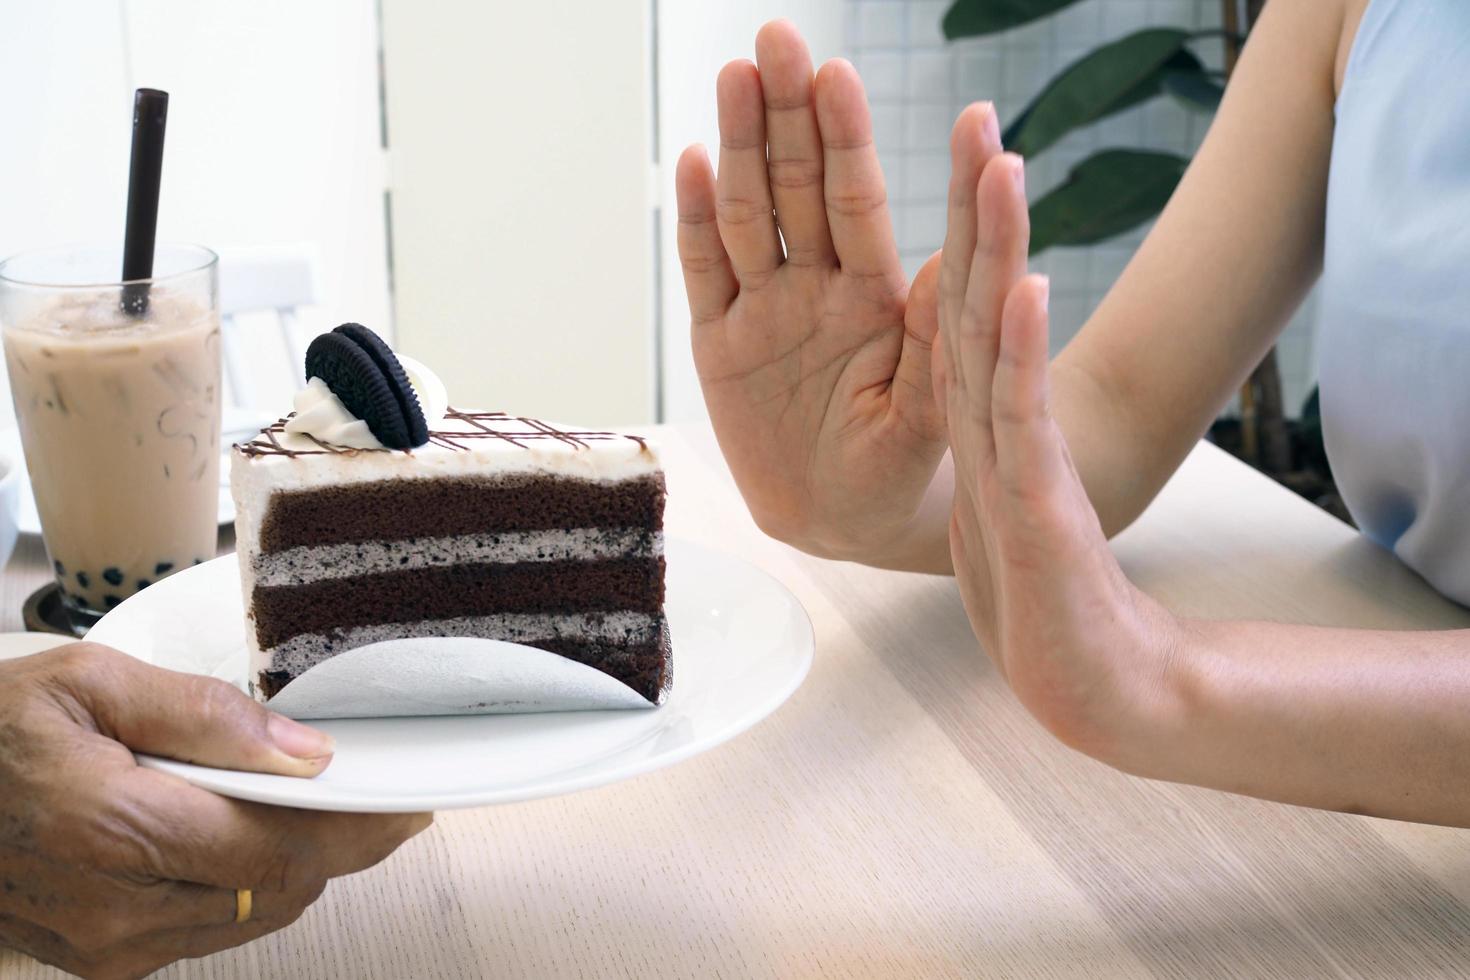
<point x="918" y="83"/>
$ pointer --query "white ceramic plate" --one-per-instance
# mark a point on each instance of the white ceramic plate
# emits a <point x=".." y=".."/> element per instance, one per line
<point x="238" y="425"/>
<point x="742" y="644"/>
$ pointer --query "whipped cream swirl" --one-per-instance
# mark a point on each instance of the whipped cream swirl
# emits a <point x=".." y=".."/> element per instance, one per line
<point x="320" y="414"/>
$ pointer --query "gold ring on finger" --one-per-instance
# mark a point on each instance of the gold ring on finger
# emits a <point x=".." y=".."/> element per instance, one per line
<point x="244" y="900"/>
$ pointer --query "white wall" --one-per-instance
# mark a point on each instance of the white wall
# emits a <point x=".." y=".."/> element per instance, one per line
<point x="64" y="143"/>
<point x="272" y="131"/>
<point x="918" y="83"/>
<point x="521" y="151"/>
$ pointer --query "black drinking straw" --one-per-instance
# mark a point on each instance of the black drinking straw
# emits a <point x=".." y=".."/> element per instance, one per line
<point x="150" y="114"/>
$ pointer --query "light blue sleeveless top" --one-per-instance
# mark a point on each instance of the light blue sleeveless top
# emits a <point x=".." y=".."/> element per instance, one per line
<point x="1395" y="312"/>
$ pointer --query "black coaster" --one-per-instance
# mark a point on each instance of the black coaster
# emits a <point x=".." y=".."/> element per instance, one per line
<point x="43" y="612"/>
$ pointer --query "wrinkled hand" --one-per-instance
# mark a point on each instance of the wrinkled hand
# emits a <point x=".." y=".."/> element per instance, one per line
<point x="814" y="357"/>
<point x="1086" y="652"/>
<point x="111" y="870"/>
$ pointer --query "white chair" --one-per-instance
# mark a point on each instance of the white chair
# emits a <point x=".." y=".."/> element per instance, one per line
<point x="256" y="284"/>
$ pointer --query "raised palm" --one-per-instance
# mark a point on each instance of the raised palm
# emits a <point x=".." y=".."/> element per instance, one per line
<point x="813" y="353"/>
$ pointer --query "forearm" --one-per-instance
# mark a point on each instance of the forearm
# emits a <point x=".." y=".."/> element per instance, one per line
<point x="1352" y="720"/>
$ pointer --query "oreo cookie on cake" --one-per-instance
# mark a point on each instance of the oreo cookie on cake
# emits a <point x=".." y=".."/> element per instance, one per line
<point x="370" y="381"/>
<point x="376" y="512"/>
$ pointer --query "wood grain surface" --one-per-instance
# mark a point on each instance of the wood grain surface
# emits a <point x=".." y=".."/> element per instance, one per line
<point x="903" y="816"/>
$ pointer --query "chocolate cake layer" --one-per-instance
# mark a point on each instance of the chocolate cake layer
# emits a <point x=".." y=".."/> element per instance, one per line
<point x="416" y="508"/>
<point x="311" y="563"/>
<point x="281" y="612"/>
<point x="645" y="667"/>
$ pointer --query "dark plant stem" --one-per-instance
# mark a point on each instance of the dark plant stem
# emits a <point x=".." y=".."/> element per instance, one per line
<point x="1275" y="442"/>
<point x="1230" y="33"/>
<point x="1249" y="442"/>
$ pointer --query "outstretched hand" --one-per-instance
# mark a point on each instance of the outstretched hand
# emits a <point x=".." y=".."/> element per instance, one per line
<point x="813" y="352"/>
<point x="1084" y="650"/>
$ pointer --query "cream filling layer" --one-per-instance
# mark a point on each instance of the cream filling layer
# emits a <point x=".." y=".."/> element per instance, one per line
<point x="315" y="563"/>
<point x="306" y="650"/>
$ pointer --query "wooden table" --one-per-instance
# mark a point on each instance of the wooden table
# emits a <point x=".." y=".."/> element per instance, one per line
<point x="902" y="815"/>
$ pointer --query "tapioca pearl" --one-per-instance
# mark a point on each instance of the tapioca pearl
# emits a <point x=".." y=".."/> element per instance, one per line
<point x="60" y="568"/>
<point x="163" y="568"/>
<point x="143" y="583"/>
<point x="199" y="561"/>
<point x="114" y="576"/>
<point x="111" y="600"/>
<point x="83" y="580"/>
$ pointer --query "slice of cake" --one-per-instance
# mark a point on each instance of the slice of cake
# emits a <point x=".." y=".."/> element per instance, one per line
<point x="492" y="526"/>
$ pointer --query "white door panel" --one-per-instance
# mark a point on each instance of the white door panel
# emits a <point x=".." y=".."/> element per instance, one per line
<point x="520" y="148"/>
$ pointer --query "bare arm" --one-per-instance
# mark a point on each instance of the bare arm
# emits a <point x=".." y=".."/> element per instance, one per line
<point x="1210" y="289"/>
<point x="1212" y="286"/>
<point x="1362" y="721"/>
<point x="1357" y="720"/>
<point x="837" y="460"/>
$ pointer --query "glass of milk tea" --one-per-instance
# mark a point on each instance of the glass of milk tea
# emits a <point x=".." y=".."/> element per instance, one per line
<point x="117" y="395"/>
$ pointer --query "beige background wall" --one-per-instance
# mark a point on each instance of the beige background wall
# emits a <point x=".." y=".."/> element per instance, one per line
<point x="520" y="154"/>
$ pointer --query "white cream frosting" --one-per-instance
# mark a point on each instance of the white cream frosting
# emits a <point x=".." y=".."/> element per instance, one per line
<point x="433" y="396"/>
<point x="320" y="414"/>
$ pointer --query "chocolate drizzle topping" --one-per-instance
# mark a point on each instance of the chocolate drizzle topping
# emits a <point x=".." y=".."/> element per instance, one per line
<point x="520" y="432"/>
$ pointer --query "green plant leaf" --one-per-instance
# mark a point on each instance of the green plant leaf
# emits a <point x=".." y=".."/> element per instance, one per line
<point x="972" y="18"/>
<point x="1105" y="195"/>
<point x="1102" y="82"/>
<point x="1182" y="66"/>
<point x="1186" y="79"/>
